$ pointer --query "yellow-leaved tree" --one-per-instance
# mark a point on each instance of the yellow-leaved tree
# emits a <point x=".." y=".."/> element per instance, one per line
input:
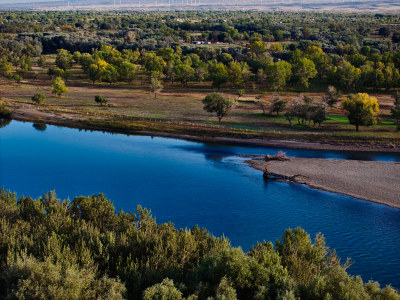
<point x="361" y="109"/>
<point x="58" y="87"/>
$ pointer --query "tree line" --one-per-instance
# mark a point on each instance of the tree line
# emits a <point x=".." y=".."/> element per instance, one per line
<point x="258" y="67"/>
<point x="309" y="50"/>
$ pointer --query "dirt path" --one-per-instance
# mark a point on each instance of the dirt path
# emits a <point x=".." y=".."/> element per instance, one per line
<point x="369" y="180"/>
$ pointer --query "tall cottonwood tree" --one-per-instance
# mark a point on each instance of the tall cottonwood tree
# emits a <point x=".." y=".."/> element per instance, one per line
<point x="58" y="87"/>
<point x="361" y="109"/>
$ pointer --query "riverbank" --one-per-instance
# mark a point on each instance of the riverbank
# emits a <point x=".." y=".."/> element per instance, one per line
<point x="368" y="180"/>
<point x="196" y="132"/>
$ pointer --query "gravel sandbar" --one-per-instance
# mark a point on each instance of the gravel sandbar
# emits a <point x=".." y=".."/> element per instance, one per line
<point x="369" y="180"/>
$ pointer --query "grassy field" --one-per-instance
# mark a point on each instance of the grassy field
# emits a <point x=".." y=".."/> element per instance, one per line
<point x="179" y="109"/>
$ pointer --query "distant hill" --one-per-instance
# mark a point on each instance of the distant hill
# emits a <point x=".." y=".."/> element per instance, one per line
<point x="383" y="6"/>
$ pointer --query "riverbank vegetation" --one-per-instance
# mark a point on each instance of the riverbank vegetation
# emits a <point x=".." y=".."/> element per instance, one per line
<point x="83" y="249"/>
<point x="287" y="71"/>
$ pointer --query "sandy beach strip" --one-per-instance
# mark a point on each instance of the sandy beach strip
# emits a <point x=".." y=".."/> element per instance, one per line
<point x="368" y="180"/>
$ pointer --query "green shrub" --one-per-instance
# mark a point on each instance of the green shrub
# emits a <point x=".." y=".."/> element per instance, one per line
<point x="100" y="99"/>
<point x="38" y="99"/>
<point x="5" y="112"/>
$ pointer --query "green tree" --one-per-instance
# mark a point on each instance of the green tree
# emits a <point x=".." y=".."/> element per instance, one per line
<point x="42" y="61"/>
<point x="302" y="259"/>
<point x="332" y="96"/>
<point x="76" y="56"/>
<point x="395" y="111"/>
<point x="225" y="291"/>
<point x="361" y="109"/>
<point x="153" y="63"/>
<point x="318" y="114"/>
<point x="235" y="74"/>
<point x="217" y="103"/>
<point x="155" y="86"/>
<point x="166" y="53"/>
<point x="29" y="278"/>
<point x="38" y="99"/>
<point x="110" y="74"/>
<point x="170" y="71"/>
<point x="162" y="291"/>
<point x="131" y="56"/>
<point x="55" y="72"/>
<point x="219" y="75"/>
<point x="25" y="64"/>
<point x="306" y="32"/>
<point x="86" y="60"/>
<point x="93" y="72"/>
<point x="100" y="100"/>
<point x="256" y="37"/>
<point x="243" y="272"/>
<point x="357" y="59"/>
<point x="290" y="115"/>
<point x="58" y="87"/>
<point x="384" y="31"/>
<point x="127" y="71"/>
<point x="96" y="210"/>
<point x="184" y="73"/>
<point x="201" y="73"/>
<point x="278" y="35"/>
<point x="396" y="37"/>
<point x="6" y="68"/>
<point x="258" y="47"/>
<point x="17" y="78"/>
<point x="101" y="70"/>
<point x="276" y="47"/>
<point x="279" y="74"/>
<point x="304" y="70"/>
<point x="64" y="59"/>
<point x="321" y="60"/>
<point x="226" y="58"/>
<point x="109" y="54"/>
<point x="391" y="77"/>
<point x="348" y="75"/>
<point x="278" y="105"/>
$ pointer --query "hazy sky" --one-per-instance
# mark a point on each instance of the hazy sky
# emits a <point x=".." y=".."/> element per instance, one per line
<point x="25" y="1"/>
<point x="211" y="1"/>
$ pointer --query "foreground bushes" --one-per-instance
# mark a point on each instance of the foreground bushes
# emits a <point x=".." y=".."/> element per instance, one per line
<point x="82" y="249"/>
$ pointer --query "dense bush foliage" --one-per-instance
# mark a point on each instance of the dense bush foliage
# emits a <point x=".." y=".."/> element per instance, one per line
<point x="82" y="249"/>
<point x="100" y="99"/>
<point x="38" y="98"/>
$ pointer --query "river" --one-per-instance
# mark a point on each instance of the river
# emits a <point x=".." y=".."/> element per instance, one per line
<point x="192" y="183"/>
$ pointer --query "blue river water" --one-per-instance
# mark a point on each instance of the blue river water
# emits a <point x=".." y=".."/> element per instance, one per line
<point x="191" y="183"/>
